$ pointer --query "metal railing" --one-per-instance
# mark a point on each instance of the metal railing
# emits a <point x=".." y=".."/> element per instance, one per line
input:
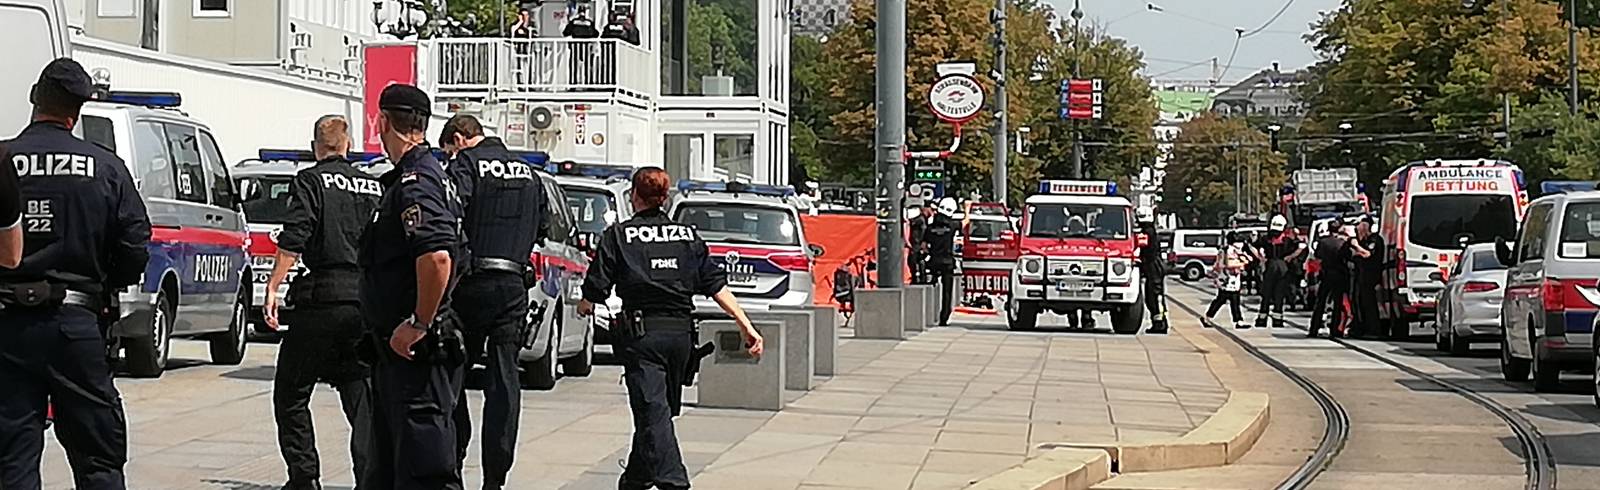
<point x="543" y="65"/>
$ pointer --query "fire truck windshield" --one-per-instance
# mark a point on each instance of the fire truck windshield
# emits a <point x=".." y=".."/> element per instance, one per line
<point x="1078" y="221"/>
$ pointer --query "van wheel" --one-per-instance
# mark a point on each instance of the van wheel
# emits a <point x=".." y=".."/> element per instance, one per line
<point x="1511" y="368"/>
<point x="541" y="373"/>
<point x="581" y="364"/>
<point x="227" y="349"/>
<point x="147" y="356"/>
<point x="1021" y="315"/>
<point x="1193" y="272"/>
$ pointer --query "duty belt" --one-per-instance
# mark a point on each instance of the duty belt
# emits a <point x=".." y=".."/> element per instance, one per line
<point x="36" y="294"/>
<point x="496" y="264"/>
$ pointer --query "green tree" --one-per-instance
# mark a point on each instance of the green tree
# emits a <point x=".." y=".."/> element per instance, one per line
<point x="1213" y="156"/>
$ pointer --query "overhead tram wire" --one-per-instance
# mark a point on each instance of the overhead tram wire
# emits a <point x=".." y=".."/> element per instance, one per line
<point x="1269" y="22"/>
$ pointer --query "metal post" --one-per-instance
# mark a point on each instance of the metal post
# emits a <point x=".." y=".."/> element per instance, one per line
<point x="1572" y="53"/>
<point x="1077" y="66"/>
<point x="891" y="137"/>
<point x="1001" y="122"/>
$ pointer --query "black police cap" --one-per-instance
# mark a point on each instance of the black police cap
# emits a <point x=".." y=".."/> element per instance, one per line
<point x="66" y="76"/>
<point x="405" y="98"/>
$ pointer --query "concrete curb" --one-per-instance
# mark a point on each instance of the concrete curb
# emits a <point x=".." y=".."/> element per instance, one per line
<point x="1053" y="469"/>
<point x="1221" y="440"/>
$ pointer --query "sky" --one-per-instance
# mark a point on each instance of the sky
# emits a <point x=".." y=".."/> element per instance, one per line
<point x="1191" y="31"/>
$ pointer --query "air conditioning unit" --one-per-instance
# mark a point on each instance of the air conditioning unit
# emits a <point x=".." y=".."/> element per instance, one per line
<point x="545" y="122"/>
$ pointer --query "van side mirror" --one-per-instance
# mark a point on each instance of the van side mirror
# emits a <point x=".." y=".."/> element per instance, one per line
<point x="1502" y="251"/>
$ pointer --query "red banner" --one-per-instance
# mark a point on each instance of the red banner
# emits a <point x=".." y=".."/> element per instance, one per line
<point x="385" y="65"/>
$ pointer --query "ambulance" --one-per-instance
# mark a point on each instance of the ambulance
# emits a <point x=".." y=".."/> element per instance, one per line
<point x="1432" y="210"/>
<point x="1077" y="248"/>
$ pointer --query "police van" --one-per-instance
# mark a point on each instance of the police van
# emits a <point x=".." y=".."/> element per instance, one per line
<point x="1077" y="251"/>
<point x="195" y="284"/>
<point x="754" y="233"/>
<point x="35" y="33"/>
<point x="1431" y="211"/>
<point x="598" y="196"/>
<point x="264" y="184"/>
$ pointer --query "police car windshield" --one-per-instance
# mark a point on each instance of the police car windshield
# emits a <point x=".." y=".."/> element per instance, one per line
<point x="266" y="199"/>
<point x="1078" y="221"/>
<point x="733" y="223"/>
<point x="589" y="207"/>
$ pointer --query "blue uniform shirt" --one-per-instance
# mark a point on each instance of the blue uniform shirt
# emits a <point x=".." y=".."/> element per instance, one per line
<point x="418" y="214"/>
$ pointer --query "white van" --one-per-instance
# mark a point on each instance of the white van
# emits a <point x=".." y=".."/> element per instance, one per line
<point x="35" y="32"/>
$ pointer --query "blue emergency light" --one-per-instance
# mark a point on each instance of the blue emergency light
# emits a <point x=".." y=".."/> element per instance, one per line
<point x="1078" y="187"/>
<point x="596" y="171"/>
<point x="1564" y="186"/>
<point x="147" y="99"/>
<point x="307" y="156"/>
<point x="735" y="188"/>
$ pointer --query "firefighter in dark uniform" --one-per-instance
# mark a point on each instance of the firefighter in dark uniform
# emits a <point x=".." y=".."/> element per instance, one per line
<point x="85" y="236"/>
<point x="657" y="266"/>
<point x="504" y="211"/>
<point x="1152" y="266"/>
<point x="917" y="252"/>
<point x="1275" y="250"/>
<point x="406" y="261"/>
<point x="329" y="204"/>
<point x="939" y="239"/>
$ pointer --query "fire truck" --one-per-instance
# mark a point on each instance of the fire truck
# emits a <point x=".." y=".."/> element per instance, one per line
<point x="1077" y="250"/>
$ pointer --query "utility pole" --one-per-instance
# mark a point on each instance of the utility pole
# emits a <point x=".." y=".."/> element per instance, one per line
<point x="1001" y="149"/>
<point x="1077" y="65"/>
<point x="891" y="139"/>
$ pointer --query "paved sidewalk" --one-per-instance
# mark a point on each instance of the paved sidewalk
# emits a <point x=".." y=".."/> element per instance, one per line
<point x="937" y="411"/>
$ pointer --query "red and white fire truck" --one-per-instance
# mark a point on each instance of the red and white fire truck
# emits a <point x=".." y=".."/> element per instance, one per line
<point x="1077" y="251"/>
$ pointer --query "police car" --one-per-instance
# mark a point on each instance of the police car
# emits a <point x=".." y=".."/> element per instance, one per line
<point x="557" y="341"/>
<point x="754" y="233"/>
<point x="1077" y="251"/>
<point x="263" y="183"/>
<point x="598" y="197"/>
<point x="195" y="284"/>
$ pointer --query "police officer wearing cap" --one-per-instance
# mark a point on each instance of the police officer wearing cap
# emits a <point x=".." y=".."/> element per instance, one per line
<point x="329" y="204"/>
<point x="657" y="266"/>
<point x="1153" y="270"/>
<point x="85" y="235"/>
<point x="503" y="216"/>
<point x="406" y="259"/>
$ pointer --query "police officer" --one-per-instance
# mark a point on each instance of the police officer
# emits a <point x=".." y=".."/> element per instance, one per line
<point x="1333" y="280"/>
<point x="329" y="204"/>
<point x="657" y="265"/>
<point x="503" y="216"/>
<point x="1275" y="250"/>
<point x="85" y="235"/>
<point x="1152" y="266"/>
<point x="10" y="216"/>
<point x="916" y="255"/>
<point x="406" y="261"/>
<point x="939" y="239"/>
<point x="1368" y="260"/>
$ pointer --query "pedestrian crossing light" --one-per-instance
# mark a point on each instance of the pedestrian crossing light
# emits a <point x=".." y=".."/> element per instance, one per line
<point x="928" y="175"/>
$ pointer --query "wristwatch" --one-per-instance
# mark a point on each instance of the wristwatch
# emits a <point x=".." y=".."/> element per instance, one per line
<point x="412" y="321"/>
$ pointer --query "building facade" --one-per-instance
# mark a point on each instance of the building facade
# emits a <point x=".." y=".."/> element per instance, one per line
<point x="1269" y="93"/>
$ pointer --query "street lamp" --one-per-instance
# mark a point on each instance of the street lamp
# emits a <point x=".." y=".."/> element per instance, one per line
<point x="1344" y="139"/>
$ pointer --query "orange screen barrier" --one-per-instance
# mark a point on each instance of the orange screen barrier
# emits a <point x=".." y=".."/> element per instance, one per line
<point x="841" y="237"/>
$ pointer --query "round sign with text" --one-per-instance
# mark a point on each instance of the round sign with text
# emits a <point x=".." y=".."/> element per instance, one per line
<point x="956" y="98"/>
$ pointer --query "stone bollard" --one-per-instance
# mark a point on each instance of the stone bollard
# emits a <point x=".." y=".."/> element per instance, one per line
<point x="730" y="378"/>
<point x="797" y="340"/>
<point x="933" y="302"/>
<point x="880" y="314"/>
<point x="916" y="308"/>
<point x="824" y="337"/>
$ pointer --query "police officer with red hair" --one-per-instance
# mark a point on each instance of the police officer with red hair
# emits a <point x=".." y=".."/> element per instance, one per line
<point x="657" y="266"/>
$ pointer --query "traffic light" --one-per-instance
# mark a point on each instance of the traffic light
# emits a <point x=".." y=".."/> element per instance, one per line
<point x="928" y="175"/>
<point x="1188" y="194"/>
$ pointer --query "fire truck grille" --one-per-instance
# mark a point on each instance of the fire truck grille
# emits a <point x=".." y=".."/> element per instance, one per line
<point x="1075" y="268"/>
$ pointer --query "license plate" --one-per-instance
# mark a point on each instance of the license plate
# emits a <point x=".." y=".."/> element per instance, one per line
<point x="1075" y="286"/>
<point x="742" y="279"/>
<point x="263" y="261"/>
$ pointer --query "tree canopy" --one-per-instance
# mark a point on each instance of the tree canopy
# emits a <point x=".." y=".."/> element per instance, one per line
<point x="1216" y="160"/>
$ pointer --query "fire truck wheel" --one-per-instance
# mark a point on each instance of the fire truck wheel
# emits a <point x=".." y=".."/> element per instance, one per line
<point x="1128" y="319"/>
<point x="1022" y="315"/>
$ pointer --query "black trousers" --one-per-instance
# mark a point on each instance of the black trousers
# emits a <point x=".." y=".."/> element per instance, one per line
<point x="1155" y="302"/>
<point x="1232" y="300"/>
<point x="1331" y="290"/>
<point x="1274" y="291"/>
<point x="914" y="261"/>
<point x="653" y="367"/>
<point x="946" y="282"/>
<point x="415" y="435"/>
<point x="322" y="345"/>
<point x="494" y="307"/>
<point x="1366" y="305"/>
<point x="56" y="355"/>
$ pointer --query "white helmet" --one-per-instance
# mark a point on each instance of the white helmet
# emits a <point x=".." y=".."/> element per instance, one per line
<point x="948" y="206"/>
<point x="1278" y="223"/>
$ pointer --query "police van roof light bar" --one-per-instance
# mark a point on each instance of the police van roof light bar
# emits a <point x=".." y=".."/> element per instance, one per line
<point x="587" y="170"/>
<point x="266" y="155"/>
<point x="147" y="99"/>
<point x="735" y="188"/>
<point x="1078" y="187"/>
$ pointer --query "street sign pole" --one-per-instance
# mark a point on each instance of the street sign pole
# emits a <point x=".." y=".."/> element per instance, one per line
<point x="1000" y="119"/>
<point x="891" y="137"/>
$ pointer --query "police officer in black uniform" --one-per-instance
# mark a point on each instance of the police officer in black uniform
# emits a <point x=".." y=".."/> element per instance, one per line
<point x="940" y="241"/>
<point x="917" y="253"/>
<point x="657" y="266"/>
<point x="1152" y="267"/>
<point x="406" y="260"/>
<point x="86" y="232"/>
<point x="329" y="204"/>
<point x="503" y="216"/>
<point x="1275" y="251"/>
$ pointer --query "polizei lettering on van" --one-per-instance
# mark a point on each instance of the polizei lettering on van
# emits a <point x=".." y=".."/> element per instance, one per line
<point x="658" y="234"/>
<point x="211" y="268"/>
<point x="55" y="164"/>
